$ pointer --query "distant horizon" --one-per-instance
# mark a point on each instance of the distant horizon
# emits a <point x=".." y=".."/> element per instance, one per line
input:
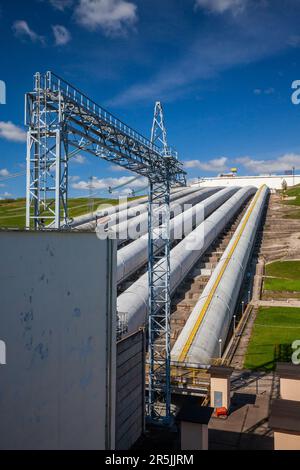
<point x="250" y="176"/>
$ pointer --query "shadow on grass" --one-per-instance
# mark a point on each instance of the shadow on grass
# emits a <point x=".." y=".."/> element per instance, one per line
<point x="281" y="353"/>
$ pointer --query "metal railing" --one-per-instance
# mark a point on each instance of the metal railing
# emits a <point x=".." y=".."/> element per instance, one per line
<point x="192" y="377"/>
<point x="189" y="377"/>
<point x="237" y="334"/>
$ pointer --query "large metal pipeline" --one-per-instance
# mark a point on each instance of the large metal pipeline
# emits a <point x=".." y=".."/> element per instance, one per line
<point x="210" y="319"/>
<point x="123" y="211"/>
<point x="132" y="305"/>
<point x="134" y="256"/>
<point x="88" y="221"/>
<point x="136" y="227"/>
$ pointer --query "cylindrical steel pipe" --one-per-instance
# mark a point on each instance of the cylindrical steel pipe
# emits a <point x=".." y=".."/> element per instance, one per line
<point x="133" y="256"/>
<point x="132" y="304"/>
<point x="210" y="319"/>
<point x="136" y="227"/>
<point x="126" y="210"/>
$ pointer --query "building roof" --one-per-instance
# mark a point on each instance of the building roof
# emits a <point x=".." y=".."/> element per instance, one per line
<point x="285" y="416"/>
<point x="220" y="371"/>
<point x="288" y="370"/>
<point x="193" y="412"/>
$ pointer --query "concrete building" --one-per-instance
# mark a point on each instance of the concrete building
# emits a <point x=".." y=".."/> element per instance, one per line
<point x="285" y="411"/>
<point x="285" y="422"/>
<point x="58" y="387"/>
<point x="272" y="181"/>
<point x="289" y="376"/>
<point x="220" y="386"/>
<point x="194" y="420"/>
<point x="68" y="383"/>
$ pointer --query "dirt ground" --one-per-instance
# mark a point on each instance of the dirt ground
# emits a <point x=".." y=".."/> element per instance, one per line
<point x="281" y="234"/>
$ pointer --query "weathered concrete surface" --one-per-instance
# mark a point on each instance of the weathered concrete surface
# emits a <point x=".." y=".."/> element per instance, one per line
<point x="58" y="319"/>
<point x="130" y="390"/>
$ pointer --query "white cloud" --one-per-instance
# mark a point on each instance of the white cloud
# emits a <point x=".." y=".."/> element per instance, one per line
<point x="113" y="17"/>
<point x="5" y="196"/>
<point x="277" y="165"/>
<point x="294" y="40"/>
<point x="61" y="34"/>
<point x="266" y="91"/>
<point x="236" y="41"/>
<point x="23" y="31"/>
<point x="74" y="178"/>
<point x="118" y="169"/>
<point x="61" y="4"/>
<point x="10" y="131"/>
<point x="280" y="164"/>
<point x="4" y="172"/>
<point x="106" y="183"/>
<point x="220" y="6"/>
<point x="216" y="164"/>
<point x="80" y="159"/>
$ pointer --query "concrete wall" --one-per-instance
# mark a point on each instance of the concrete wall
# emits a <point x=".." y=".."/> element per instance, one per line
<point x="286" y="441"/>
<point x="57" y="318"/>
<point x="273" y="182"/>
<point x="289" y="389"/>
<point x="194" y="436"/>
<point x="130" y="390"/>
<point x="222" y="385"/>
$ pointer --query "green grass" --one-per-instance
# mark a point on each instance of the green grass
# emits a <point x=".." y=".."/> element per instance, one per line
<point x="274" y="331"/>
<point x="294" y="214"/>
<point x="294" y="204"/>
<point x="12" y="211"/>
<point x="281" y="285"/>
<point x="293" y="192"/>
<point x="284" y="269"/>
<point x="284" y="276"/>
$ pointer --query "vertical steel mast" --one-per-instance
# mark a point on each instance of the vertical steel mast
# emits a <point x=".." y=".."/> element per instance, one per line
<point x="159" y="398"/>
<point x="47" y="159"/>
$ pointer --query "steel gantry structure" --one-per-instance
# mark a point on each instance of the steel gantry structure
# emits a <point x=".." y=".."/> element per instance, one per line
<point x="62" y="122"/>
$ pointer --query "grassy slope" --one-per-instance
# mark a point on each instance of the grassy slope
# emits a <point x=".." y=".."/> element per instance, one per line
<point x="274" y="331"/>
<point x="295" y="214"/>
<point x="293" y="203"/>
<point x="12" y="212"/>
<point x="293" y="192"/>
<point x="285" y="276"/>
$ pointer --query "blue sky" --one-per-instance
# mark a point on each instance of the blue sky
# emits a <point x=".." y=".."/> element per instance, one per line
<point x="222" y="68"/>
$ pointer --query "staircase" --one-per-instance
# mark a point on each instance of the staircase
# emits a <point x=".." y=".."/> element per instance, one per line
<point x="280" y="234"/>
